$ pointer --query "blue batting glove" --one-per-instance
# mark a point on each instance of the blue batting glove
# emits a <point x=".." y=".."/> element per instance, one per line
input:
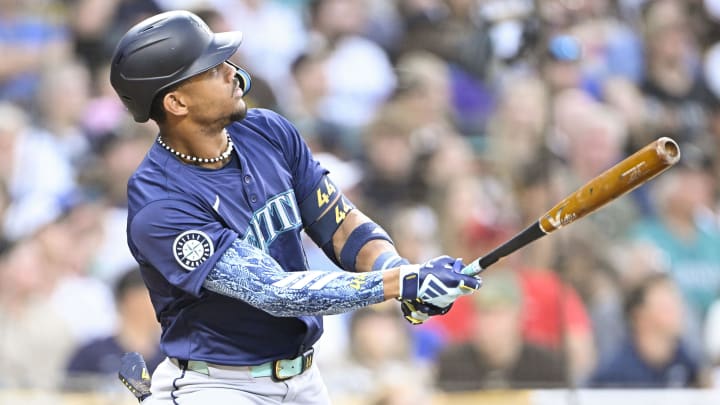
<point x="438" y="282"/>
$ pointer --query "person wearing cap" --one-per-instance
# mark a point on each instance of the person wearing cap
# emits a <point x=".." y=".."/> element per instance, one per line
<point x="560" y="63"/>
<point x="654" y="353"/>
<point x="215" y="215"/>
<point x="495" y="356"/>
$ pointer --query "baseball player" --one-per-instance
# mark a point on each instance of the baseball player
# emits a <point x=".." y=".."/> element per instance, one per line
<point x="214" y="219"/>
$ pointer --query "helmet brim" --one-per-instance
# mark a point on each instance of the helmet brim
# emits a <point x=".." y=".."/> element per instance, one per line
<point x="230" y="41"/>
<point x="220" y="49"/>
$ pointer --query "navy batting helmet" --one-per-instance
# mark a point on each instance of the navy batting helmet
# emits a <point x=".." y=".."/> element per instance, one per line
<point x="164" y="50"/>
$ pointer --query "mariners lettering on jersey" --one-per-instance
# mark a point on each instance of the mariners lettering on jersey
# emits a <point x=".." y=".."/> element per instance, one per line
<point x="191" y="248"/>
<point x="278" y="215"/>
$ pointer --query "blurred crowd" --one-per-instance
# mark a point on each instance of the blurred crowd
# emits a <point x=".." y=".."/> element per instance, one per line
<point x="454" y="124"/>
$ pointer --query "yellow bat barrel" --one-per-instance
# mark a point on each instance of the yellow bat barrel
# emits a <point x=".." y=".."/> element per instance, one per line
<point x="631" y="172"/>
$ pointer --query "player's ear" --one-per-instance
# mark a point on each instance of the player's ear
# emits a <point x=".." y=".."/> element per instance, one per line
<point x="175" y="103"/>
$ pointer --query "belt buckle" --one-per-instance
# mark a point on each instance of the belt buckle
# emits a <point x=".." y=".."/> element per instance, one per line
<point x="306" y="360"/>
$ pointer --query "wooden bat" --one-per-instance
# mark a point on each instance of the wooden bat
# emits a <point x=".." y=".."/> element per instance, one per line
<point x="636" y="169"/>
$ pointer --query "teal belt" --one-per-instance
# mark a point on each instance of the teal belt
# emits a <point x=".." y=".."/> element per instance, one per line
<point x="278" y="370"/>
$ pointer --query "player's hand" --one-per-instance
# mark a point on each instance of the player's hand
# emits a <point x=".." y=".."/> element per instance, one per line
<point x="437" y="282"/>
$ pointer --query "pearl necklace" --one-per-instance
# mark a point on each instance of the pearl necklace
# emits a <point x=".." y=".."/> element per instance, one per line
<point x="194" y="159"/>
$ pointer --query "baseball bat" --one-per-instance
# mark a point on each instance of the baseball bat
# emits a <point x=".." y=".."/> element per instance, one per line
<point x="636" y="169"/>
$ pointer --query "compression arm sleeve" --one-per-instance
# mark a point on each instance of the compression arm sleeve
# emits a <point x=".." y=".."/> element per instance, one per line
<point x="248" y="274"/>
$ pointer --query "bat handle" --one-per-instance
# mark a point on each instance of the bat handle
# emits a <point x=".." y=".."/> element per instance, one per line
<point x="528" y="235"/>
<point x="473" y="268"/>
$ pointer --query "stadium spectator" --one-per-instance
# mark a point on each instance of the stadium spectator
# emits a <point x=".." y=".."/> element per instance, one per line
<point x="686" y="233"/>
<point x="274" y="34"/>
<point x="555" y="318"/>
<point x="96" y="363"/>
<point x="496" y="356"/>
<point x="305" y="108"/>
<point x="40" y="181"/>
<point x="559" y="63"/>
<point x="447" y="29"/>
<point x="63" y="97"/>
<point x="35" y="340"/>
<point x="673" y="85"/>
<point x="29" y="42"/>
<point x="654" y="355"/>
<point x="96" y="25"/>
<point x="380" y="353"/>
<point x="353" y="99"/>
<point x="516" y="134"/>
<point x="68" y="246"/>
<point x="117" y="155"/>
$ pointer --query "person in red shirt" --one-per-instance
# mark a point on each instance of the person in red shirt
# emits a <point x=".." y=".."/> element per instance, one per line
<point x="553" y="313"/>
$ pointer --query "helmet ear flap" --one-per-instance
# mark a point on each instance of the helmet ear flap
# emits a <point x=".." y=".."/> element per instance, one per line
<point x="243" y="77"/>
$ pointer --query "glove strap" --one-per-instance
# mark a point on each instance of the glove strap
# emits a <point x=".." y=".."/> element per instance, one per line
<point x="409" y="282"/>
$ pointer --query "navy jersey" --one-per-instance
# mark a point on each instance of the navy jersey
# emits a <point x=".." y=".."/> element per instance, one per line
<point x="181" y="220"/>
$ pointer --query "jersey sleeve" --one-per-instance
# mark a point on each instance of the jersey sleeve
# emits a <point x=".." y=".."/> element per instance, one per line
<point x="306" y="171"/>
<point x="180" y="240"/>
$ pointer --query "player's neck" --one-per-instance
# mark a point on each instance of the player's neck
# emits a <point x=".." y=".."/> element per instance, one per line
<point x="201" y="146"/>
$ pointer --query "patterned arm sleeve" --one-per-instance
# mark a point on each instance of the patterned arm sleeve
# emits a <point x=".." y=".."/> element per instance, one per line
<point x="246" y="273"/>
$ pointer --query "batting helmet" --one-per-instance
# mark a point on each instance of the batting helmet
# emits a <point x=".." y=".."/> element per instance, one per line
<point x="164" y="50"/>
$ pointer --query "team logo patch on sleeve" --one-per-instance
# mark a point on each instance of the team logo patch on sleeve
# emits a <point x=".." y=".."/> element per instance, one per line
<point x="191" y="248"/>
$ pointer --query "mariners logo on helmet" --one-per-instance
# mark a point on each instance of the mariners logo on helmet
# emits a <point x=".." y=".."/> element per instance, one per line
<point x="191" y="248"/>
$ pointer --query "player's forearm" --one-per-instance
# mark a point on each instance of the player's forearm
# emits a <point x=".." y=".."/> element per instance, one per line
<point x="370" y="251"/>
<point x="250" y="275"/>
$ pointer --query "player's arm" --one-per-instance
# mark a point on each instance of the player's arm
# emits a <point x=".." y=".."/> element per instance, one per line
<point x="379" y="254"/>
<point x="247" y="273"/>
<point x="185" y="244"/>
<point x="346" y="235"/>
<point x="377" y="251"/>
<point x="356" y="243"/>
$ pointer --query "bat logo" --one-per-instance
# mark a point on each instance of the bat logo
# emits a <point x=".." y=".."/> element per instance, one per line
<point x="633" y="173"/>
<point x="559" y="220"/>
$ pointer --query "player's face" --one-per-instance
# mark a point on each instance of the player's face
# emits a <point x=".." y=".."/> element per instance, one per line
<point x="215" y="96"/>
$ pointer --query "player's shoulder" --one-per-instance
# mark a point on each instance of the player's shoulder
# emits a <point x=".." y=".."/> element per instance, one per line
<point x="156" y="179"/>
<point x="152" y="169"/>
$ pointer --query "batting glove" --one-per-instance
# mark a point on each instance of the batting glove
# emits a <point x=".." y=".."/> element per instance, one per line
<point x="437" y="282"/>
<point x="417" y="312"/>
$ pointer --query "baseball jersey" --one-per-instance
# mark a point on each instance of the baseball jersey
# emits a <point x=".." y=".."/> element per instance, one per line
<point x="182" y="218"/>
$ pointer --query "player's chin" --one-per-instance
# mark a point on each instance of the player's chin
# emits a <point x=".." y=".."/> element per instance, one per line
<point x="240" y="112"/>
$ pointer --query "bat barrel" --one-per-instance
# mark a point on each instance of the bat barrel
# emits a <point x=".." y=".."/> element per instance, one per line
<point x="631" y="172"/>
<point x="668" y="150"/>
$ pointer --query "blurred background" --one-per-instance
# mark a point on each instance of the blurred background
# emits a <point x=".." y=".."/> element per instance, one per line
<point x="452" y="123"/>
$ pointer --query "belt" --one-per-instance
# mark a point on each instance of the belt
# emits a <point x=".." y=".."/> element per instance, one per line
<point x="278" y="370"/>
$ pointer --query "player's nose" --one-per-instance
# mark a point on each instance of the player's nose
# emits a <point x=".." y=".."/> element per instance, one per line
<point x="228" y="71"/>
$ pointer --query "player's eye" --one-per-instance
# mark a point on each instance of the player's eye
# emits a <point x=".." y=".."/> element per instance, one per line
<point x="213" y="72"/>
